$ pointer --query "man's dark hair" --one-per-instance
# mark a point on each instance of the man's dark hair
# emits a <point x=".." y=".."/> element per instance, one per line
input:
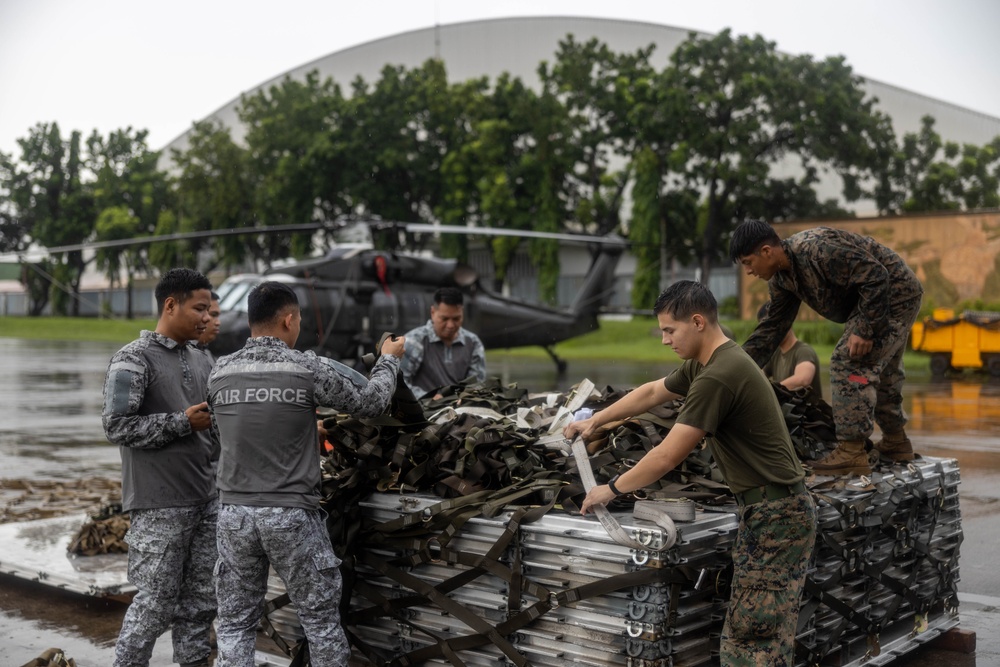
<point x="215" y="296"/>
<point x="267" y="302"/>
<point x="748" y="236"/>
<point x="685" y="298"/>
<point x="449" y="295"/>
<point x="179" y="283"/>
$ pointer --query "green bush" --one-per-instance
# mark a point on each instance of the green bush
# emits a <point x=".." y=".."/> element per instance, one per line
<point x="729" y="308"/>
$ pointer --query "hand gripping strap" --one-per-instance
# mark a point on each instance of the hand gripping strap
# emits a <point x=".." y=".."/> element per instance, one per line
<point x="647" y="511"/>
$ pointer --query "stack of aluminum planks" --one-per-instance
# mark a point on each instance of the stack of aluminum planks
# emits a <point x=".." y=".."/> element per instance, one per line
<point x="665" y="610"/>
<point x="885" y="571"/>
<point x="559" y="590"/>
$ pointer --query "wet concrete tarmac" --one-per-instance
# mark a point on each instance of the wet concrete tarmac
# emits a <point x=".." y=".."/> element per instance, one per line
<point x="50" y="403"/>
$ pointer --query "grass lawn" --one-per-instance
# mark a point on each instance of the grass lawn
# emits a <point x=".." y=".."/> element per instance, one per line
<point x="73" y="328"/>
<point x="637" y="339"/>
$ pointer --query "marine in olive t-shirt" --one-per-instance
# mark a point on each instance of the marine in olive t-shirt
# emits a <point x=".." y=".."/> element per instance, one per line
<point x="782" y="365"/>
<point x="731" y="400"/>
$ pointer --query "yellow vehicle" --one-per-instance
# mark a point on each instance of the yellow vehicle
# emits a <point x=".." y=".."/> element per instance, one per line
<point x="970" y="340"/>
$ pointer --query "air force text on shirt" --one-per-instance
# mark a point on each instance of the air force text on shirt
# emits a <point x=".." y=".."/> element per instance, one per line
<point x="263" y="395"/>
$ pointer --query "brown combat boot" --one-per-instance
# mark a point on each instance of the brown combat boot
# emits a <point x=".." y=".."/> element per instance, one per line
<point x="849" y="458"/>
<point x="895" y="447"/>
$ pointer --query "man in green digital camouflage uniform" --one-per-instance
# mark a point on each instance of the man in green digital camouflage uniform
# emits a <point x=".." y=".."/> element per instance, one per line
<point x="852" y="279"/>
<point x="728" y="398"/>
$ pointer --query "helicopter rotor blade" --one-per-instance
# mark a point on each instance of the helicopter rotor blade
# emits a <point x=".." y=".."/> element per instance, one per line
<point x="412" y="227"/>
<point x="424" y="228"/>
<point x="147" y="240"/>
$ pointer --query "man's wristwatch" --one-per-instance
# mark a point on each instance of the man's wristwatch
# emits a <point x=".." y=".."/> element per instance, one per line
<point x="611" y="485"/>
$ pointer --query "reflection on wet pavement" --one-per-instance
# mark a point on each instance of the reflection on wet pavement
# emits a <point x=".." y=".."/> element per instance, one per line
<point x="50" y="428"/>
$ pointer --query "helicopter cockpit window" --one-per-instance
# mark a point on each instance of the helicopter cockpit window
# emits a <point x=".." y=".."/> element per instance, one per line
<point x="236" y="299"/>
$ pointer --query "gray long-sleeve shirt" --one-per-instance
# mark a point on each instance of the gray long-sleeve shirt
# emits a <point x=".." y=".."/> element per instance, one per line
<point x="149" y="384"/>
<point x="429" y="363"/>
<point x="263" y="400"/>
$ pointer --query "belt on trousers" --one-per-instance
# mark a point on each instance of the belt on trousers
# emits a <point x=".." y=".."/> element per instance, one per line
<point x="769" y="492"/>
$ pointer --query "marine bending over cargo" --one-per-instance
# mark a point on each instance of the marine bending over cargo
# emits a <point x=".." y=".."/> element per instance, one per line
<point x="851" y="279"/>
<point x="730" y="400"/>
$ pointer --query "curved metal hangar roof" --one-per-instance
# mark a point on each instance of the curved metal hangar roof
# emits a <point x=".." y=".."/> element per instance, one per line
<point x="517" y="45"/>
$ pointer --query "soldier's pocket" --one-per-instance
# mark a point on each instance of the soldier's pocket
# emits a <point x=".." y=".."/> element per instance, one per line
<point x="295" y="520"/>
<point x="229" y="520"/>
<point x="756" y="613"/>
<point x="148" y="563"/>
<point x="327" y="563"/>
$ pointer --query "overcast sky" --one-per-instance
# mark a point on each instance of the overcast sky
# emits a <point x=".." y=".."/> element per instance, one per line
<point x="108" y="64"/>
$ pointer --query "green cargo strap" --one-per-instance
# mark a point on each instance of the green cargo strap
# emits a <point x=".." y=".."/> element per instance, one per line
<point x="469" y="618"/>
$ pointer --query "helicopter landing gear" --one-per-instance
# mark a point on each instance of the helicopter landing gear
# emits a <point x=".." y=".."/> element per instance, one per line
<point x="560" y="363"/>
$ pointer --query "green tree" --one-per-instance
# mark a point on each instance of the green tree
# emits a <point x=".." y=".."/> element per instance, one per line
<point x="130" y="194"/>
<point x="603" y="92"/>
<point x="167" y="254"/>
<point x="646" y="230"/>
<point x="406" y="135"/>
<point x="295" y="157"/>
<point x="55" y="205"/>
<point x="498" y="175"/>
<point x="214" y="191"/>
<point x="117" y="223"/>
<point x="744" y="109"/>
<point x="513" y="172"/>
<point x="13" y="235"/>
<point x="928" y="174"/>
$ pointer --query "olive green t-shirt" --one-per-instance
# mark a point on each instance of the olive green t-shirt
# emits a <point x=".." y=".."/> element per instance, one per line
<point x="782" y="365"/>
<point x="731" y="400"/>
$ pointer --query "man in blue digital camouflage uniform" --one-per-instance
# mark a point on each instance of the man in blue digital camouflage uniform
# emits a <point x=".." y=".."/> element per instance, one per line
<point x="728" y="398"/>
<point x="854" y="280"/>
<point x="155" y="410"/>
<point x="263" y="400"/>
<point x="442" y="352"/>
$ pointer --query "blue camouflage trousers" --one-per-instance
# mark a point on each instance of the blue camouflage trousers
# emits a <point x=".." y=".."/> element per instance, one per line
<point x="297" y="544"/>
<point x="770" y="557"/>
<point x="170" y="559"/>
<point x="870" y="389"/>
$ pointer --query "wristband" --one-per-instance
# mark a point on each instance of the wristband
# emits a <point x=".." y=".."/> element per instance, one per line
<point x="611" y="485"/>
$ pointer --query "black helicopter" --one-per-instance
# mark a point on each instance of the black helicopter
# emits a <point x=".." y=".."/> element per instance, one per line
<point x="354" y="293"/>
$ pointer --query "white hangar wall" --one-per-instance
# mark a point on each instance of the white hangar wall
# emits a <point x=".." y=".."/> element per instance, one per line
<point x="518" y="45"/>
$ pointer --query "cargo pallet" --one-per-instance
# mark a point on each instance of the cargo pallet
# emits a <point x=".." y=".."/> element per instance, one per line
<point x="559" y="591"/>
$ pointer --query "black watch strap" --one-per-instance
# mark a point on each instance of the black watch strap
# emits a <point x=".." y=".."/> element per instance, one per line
<point x="611" y="485"/>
